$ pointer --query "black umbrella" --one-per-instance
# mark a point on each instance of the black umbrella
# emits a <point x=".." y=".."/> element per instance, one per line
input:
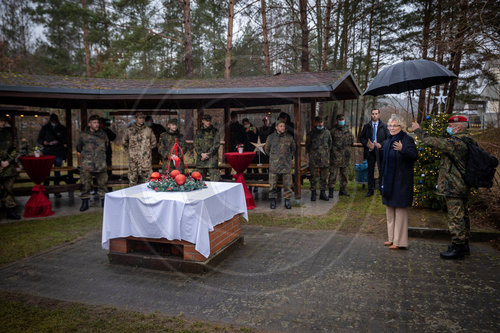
<point x="409" y="76"/>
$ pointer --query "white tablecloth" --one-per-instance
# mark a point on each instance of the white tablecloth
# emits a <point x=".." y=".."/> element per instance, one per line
<point x="141" y="212"/>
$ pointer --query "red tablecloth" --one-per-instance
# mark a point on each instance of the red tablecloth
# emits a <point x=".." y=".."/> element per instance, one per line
<point x="239" y="162"/>
<point x="38" y="168"/>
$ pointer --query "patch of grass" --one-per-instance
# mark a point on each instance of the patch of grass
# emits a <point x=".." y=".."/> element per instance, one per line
<point x="350" y="214"/>
<point x="25" y="238"/>
<point x="24" y="313"/>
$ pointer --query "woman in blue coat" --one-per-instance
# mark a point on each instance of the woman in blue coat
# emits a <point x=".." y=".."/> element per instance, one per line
<point x="400" y="153"/>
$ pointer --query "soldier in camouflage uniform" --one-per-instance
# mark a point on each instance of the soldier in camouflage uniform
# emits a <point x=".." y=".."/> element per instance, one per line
<point x="280" y="148"/>
<point x="451" y="184"/>
<point x="340" y="155"/>
<point x="91" y="146"/>
<point x="206" y="146"/>
<point x="139" y="140"/>
<point x="318" y="146"/>
<point x="166" y="143"/>
<point x="8" y="172"/>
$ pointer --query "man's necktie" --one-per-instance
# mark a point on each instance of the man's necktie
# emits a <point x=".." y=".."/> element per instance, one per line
<point x="374" y="133"/>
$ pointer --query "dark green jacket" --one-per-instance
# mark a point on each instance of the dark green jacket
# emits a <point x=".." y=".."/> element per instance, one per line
<point x="207" y="140"/>
<point x="342" y="140"/>
<point x="453" y="160"/>
<point x="92" y="146"/>
<point x="318" y="146"/>
<point x="280" y="148"/>
<point x="8" y="152"/>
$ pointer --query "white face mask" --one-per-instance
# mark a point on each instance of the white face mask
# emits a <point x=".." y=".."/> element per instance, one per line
<point x="247" y="125"/>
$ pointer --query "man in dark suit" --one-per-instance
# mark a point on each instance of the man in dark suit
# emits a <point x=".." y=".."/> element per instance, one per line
<point x="372" y="137"/>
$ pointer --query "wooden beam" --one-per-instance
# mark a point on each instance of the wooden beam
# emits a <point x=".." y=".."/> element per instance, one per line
<point x="312" y="114"/>
<point x="83" y="115"/>
<point x="297" y="138"/>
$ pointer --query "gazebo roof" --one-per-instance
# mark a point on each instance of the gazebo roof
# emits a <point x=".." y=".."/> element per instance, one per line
<point x="75" y="92"/>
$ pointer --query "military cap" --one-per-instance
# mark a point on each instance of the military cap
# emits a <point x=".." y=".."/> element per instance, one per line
<point x="207" y="117"/>
<point x="93" y="117"/>
<point x="54" y="117"/>
<point x="457" y="119"/>
<point x="172" y="121"/>
<point x="139" y="114"/>
<point x="279" y="121"/>
<point x="340" y="116"/>
<point x="318" y="119"/>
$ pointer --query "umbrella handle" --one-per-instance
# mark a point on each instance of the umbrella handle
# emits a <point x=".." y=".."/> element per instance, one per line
<point x="408" y="129"/>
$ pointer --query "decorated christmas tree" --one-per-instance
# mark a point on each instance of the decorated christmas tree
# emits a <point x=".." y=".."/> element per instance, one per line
<point x="427" y="165"/>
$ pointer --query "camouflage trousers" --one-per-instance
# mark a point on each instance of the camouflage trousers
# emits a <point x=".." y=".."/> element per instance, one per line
<point x="213" y="172"/>
<point x="86" y="180"/>
<point x="6" y="195"/>
<point x="323" y="175"/>
<point x="139" y="172"/>
<point x="334" y="170"/>
<point x="458" y="219"/>
<point x="287" y="185"/>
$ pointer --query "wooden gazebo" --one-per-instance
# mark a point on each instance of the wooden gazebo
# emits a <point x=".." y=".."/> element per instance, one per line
<point x="170" y="94"/>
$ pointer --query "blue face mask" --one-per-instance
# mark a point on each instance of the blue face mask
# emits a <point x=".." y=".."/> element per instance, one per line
<point x="320" y="127"/>
<point x="342" y="123"/>
<point x="449" y="130"/>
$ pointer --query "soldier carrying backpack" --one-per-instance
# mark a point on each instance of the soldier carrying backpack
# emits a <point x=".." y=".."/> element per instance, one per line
<point x="460" y="170"/>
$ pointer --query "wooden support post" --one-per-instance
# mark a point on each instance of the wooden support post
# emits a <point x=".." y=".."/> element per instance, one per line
<point x="312" y="114"/>
<point x="227" y="136"/>
<point x="83" y="116"/>
<point x="69" y="137"/>
<point x="297" y="137"/>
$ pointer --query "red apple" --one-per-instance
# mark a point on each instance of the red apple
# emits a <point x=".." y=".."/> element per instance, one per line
<point x="155" y="176"/>
<point x="196" y="175"/>
<point x="174" y="173"/>
<point x="180" y="179"/>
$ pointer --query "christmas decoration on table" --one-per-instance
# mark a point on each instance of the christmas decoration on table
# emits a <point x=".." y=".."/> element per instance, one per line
<point x="259" y="148"/>
<point x="240" y="147"/>
<point x="175" y="181"/>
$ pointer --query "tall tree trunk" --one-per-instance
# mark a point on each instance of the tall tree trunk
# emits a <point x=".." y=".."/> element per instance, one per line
<point x="456" y="53"/>
<point x="345" y="34"/>
<point x="368" y="65"/>
<point x="438" y="46"/>
<point x="304" y="58"/>
<point x="319" y="32"/>
<point x="326" y="39"/>
<point x="229" y="45"/>
<point x="425" y="48"/>
<point x="106" y="22"/>
<point x="336" y="45"/>
<point x="188" y="39"/>
<point x="86" y="39"/>
<point x="267" y="62"/>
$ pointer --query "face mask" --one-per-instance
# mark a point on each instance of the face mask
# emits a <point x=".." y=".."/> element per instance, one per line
<point x="148" y="123"/>
<point x="320" y="127"/>
<point x="449" y="130"/>
<point x="53" y="125"/>
<point x="342" y="123"/>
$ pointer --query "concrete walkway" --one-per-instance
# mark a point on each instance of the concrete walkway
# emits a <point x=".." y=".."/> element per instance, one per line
<point x="287" y="280"/>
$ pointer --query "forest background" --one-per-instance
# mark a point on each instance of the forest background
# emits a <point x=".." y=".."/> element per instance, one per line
<point x="222" y="38"/>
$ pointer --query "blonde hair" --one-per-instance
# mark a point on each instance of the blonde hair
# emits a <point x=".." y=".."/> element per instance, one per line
<point x="397" y="119"/>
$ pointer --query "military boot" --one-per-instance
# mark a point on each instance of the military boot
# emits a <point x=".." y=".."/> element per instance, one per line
<point x="455" y="251"/>
<point x="273" y="203"/>
<point x="313" y="195"/>
<point x="466" y="248"/>
<point x="330" y="192"/>
<point x="323" y="196"/>
<point x="287" y="204"/>
<point x="12" y="215"/>
<point x="85" y="205"/>
<point x="343" y="192"/>
<point x="102" y="203"/>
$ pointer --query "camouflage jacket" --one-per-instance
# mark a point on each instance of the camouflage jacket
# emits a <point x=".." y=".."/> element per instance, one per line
<point x="8" y="153"/>
<point x="318" y="146"/>
<point x="92" y="146"/>
<point x="280" y="149"/>
<point x="453" y="160"/>
<point x="166" y="142"/>
<point x="207" y="140"/>
<point x="341" y="147"/>
<point x="139" y="140"/>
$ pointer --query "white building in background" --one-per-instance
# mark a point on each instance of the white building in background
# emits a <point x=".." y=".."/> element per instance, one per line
<point x="490" y="95"/>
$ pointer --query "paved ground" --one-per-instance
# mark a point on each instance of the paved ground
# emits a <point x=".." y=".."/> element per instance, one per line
<point x="288" y="280"/>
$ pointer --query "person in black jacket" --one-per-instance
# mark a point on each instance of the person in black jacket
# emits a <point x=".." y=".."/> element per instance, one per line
<point x="373" y="137"/>
<point x="52" y="137"/>
<point x="237" y="133"/>
<point x="104" y="125"/>
<point x="400" y="153"/>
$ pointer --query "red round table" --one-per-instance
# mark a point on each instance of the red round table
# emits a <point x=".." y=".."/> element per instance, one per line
<point x="38" y="168"/>
<point x="240" y="162"/>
